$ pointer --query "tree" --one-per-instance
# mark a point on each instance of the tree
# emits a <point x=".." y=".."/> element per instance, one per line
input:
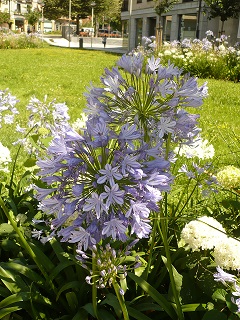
<point x="161" y="7"/>
<point x="33" y="17"/>
<point x="224" y="9"/>
<point x="55" y="9"/>
<point x="164" y="6"/>
<point x="108" y="11"/>
<point x="4" y="17"/>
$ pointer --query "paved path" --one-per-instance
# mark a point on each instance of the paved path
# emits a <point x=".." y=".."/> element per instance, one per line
<point x="113" y="45"/>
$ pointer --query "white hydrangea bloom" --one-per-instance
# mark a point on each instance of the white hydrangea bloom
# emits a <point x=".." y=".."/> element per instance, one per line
<point x="5" y="158"/>
<point x="80" y="123"/>
<point x="203" y="233"/>
<point x="229" y="177"/>
<point x="226" y="254"/>
<point x="199" y="148"/>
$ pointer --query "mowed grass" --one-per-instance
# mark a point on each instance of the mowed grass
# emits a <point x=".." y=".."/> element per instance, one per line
<point x="65" y="74"/>
<point x="60" y="73"/>
<point x="220" y="120"/>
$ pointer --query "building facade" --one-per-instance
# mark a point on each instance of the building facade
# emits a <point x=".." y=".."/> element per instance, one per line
<point x="185" y="20"/>
<point x="17" y="9"/>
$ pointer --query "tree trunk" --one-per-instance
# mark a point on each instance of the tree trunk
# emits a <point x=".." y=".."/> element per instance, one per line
<point x="222" y="25"/>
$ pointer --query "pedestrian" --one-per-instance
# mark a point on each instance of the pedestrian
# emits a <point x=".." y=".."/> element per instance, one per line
<point x="104" y="40"/>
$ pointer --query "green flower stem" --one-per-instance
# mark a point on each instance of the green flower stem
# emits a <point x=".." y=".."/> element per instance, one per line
<point x="163" y="226"/>
<point x="25" y="244"/>
<point x="181" y="197"/>
<point x="94" y="288"/>
<point x="154" y="230"/>
<point x="188" y="198"/>
<point x="163" y="229"/>
<point x="121" y="300"/>
<point x="16" y="158"/>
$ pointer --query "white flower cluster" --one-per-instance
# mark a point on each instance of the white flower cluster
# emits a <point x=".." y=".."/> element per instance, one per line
<point x="80" y="123"/>
<point x="227" y="254"/>
<point x="203" y="233"/>
<point x="229" y="177"/>
<point x="206" y="233"/>
<point x="5" y="158"/>
<point x="198" y="148"/>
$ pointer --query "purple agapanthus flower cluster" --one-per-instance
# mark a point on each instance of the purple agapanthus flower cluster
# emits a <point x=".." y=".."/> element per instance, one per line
<point x="7" y="107"/>
<point x="110" y="264"/>
<point x="231" y="281"/>
<point x="45" y="118"/>
<point x="152" y="96"/>
<point x="105" y="182"/>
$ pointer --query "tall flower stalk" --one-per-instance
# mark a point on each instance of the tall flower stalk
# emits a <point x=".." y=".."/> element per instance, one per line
<point x="109" y="181"/>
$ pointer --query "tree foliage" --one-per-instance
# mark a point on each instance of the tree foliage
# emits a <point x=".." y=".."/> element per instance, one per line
<point x="164" y="6"/>
<point x="33" y="17"/>
<point x="55" y="9"/>
<point x="4" y="17"/>
<point x="224" y="9"/>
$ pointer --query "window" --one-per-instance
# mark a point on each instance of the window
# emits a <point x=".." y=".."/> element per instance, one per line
<point x="187" y="26"/>
<point x="18" y="8"/>
<point x="139" y="1"/>
<point x="125" y="5"/>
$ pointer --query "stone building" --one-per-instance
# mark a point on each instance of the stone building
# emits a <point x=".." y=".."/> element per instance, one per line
<point x="17" y="10"/>
<point x="185" y="20"/>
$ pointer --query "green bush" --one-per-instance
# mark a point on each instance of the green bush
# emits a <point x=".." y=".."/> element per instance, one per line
<point x="19" y="41"/>
<point x="207" y="58"/>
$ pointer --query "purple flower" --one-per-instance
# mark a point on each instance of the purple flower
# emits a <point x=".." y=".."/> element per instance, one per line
<point x="113" y="195"/>
<point x="109" y="174"/>
<point x="95" y="203"/>
<point x="165" y="126"/>
<point x="105" y="183"/>
<point x="139" y="209"/>
<point x="224" y="277"/>
<point x="83" y="238"/>
<point x="114" y="229"/>
<point x="129" y="163"/>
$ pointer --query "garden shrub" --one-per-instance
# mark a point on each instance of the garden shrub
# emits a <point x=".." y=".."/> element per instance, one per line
<point x="19" y="41"/>
<point x="113" y="218"/>
<point x="207" y="58"/>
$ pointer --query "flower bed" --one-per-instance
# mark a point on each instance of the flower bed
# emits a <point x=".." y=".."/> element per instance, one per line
<point x="210" y="57"/>
<point x="19" y="41"/>
<point x="115" y="215"/>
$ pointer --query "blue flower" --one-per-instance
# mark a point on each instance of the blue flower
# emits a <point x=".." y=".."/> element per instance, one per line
<point x="109" y="174"/>
<point x="83" y="238"/>
<point x="113" y="195"/>
<point x="114" y="229"/>
<point x="96" y="204"/>
<point x="105" y="183"/>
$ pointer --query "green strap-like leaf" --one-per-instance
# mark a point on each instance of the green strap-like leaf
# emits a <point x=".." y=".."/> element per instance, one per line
<point x="112" y="300"/>
<point x="137" y="314"/>
<point x="67" y="286"/>
<point x="59" y="268"/>
<point x="194" y="307"/>
<point x="17" y="297"/>
<point x="72" y="300"/>
<point x="12" y="281"/>
<point x="81" y="314"/>
<point x="154" y="294"/>
<point x="26" y="271"/>
<point x="4" y="312"/>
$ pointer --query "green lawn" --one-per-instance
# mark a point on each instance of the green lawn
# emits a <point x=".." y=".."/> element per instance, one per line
<point x="64" y="74"/>
<point x="220" y="118"/>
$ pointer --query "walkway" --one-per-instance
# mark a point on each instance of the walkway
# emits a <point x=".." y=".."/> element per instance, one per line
<point x="113" y="45"/>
